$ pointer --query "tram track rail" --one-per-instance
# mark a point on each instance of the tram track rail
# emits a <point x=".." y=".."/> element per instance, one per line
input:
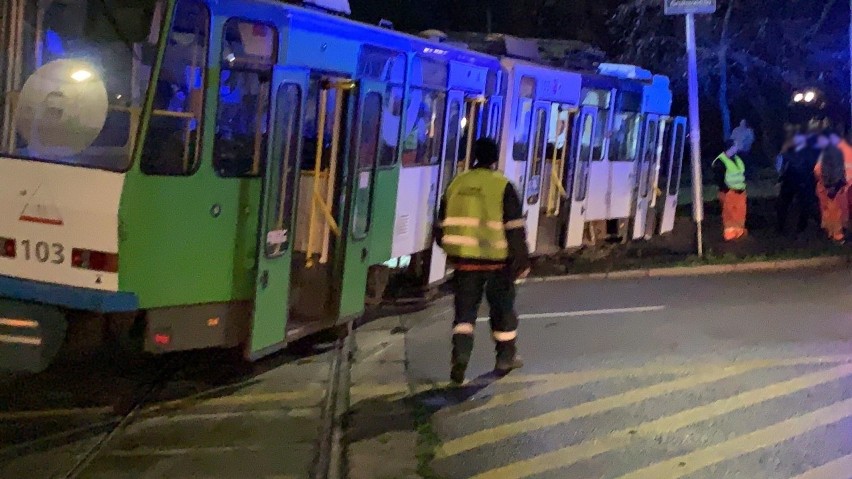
<point x="161" y="388"/>
<point x="330" y="461"/>
<point x="123" y="420"/>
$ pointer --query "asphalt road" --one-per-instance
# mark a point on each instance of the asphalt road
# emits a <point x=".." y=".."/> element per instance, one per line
<point x="736" y="376"/>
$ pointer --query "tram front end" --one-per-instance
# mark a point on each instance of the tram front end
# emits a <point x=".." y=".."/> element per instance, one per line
<point x="71" y="93"/>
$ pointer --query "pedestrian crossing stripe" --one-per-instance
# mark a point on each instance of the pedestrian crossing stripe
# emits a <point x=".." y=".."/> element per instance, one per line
<point x="571" y="455"/>
<point x="777" y="433"/>
<point x="504" y="431"/>
<point x="531" y="389"/>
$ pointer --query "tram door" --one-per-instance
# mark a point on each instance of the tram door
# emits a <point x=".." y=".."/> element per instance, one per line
<point x="321" y="239"/>
<point x="676" y="145"/>
<point x="538" y="153"/>
<point x="553" y="192"/>
<point x="450" y="160"/>
<point x="357" y="193"/>
<point x="646" y="167"/>
<point x="578" y="187"/>
<point x="274" y="252"/>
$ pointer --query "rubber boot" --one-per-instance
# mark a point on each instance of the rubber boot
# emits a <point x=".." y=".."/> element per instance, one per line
<point x="462" y="349"/>
<point x="507" y="357"/>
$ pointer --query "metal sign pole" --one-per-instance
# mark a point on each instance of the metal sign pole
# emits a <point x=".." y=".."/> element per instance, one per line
<point x="695" y="134"/>
<point x="689" y="8"/>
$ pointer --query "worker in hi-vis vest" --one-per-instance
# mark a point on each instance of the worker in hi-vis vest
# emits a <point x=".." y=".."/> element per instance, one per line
<point x="729" y="172"/>
<point x="481" y="228"/>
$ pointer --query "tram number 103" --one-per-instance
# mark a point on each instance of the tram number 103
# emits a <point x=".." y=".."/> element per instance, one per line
<point x="43" y="252"/>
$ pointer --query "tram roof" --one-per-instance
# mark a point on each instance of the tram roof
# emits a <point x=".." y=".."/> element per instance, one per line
<point x="375" y="35"/>
<point x="606" y="82"/>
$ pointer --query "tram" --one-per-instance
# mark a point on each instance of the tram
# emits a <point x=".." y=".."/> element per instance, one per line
<point x="186" y="174"/>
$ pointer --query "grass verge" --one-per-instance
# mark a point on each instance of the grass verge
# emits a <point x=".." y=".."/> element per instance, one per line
<point x="427" y="441"/>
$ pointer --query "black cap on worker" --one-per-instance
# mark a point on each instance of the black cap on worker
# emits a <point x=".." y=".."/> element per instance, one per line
<point x="486" y="152"/>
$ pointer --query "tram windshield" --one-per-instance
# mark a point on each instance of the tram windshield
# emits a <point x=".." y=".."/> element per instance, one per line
<point x="627" y="125"/>
<point x="73" y="78"/>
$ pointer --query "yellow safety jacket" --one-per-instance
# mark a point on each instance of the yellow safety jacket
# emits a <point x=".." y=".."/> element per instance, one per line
<point x="473" y="226"/>
<point x="734" y="172"/>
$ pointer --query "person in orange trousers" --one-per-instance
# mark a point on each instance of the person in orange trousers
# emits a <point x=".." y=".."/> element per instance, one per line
<point x="845" y="148"/>
<point x="729" y="174"/>
<point x="831" y="190"/>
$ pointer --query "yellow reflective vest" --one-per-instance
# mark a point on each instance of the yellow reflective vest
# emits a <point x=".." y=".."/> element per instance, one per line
<point x="473" y="225"/>
<point x="734" y="172"/>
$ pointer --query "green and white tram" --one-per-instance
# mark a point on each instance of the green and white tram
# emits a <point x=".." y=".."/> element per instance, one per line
<point x="211" y="173"/>
<point x="184" y="174"/>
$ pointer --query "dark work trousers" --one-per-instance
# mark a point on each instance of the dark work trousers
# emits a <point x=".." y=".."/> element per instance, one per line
<point x="805" y="194"/>
<point x="499" y="288"/>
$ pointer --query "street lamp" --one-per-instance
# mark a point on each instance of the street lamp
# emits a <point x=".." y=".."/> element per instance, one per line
<point x="807" y="96"/>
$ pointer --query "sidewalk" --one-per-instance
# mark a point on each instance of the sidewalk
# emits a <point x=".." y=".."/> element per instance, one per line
<point x="383" y="437"/>
<point x="678" y="249"/>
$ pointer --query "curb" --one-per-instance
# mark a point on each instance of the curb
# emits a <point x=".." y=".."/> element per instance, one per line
<point x="703" y="270"/>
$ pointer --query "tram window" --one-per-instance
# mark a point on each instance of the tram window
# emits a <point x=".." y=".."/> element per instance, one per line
<point x="523" y="120"/>
<point x="582" y="173"/>
<point x="391" y="116"/>
<point x="624" y="142"/>
<point x="424" y="124"/>
<point x="677" y="160"/>
<point x="601" y="99"/>
<point x="433" y="73"/>
<point x="283" y="170"/>
<point x="248" y="54"/>
<point x="381" y="64"/>
<point x="491" y="83"/>
<point x="599" y="137"/>
<point x="172" y="142"/>
<point x="494" y="120"/>
<point x="451" y="149"/>
<point x="534" y="182"/>
<point x="470" y="122"/>
<point x="92" y="73"/>
<point x="368" y="143"/>
<point x="520" y="151"/>
<point x="483" y="127"/>
<point x="649" y="154"/>
<point x="322" y="89"/>
<point x="560" y="118"/>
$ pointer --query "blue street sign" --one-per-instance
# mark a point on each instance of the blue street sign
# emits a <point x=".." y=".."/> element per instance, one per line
<point x="685" y="7"/>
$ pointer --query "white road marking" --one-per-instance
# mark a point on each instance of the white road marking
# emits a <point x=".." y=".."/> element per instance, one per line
<point x="593" y="312"/>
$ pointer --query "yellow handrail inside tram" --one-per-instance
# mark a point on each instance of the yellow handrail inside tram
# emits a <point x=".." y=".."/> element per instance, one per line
<point x="475" y="103"/>
<point x="317" y="200"/>
<point x="323" y="105"/>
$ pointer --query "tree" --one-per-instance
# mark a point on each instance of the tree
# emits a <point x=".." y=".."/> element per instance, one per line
<point x="751" y="54"/>
<point x="583" y="20"/>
